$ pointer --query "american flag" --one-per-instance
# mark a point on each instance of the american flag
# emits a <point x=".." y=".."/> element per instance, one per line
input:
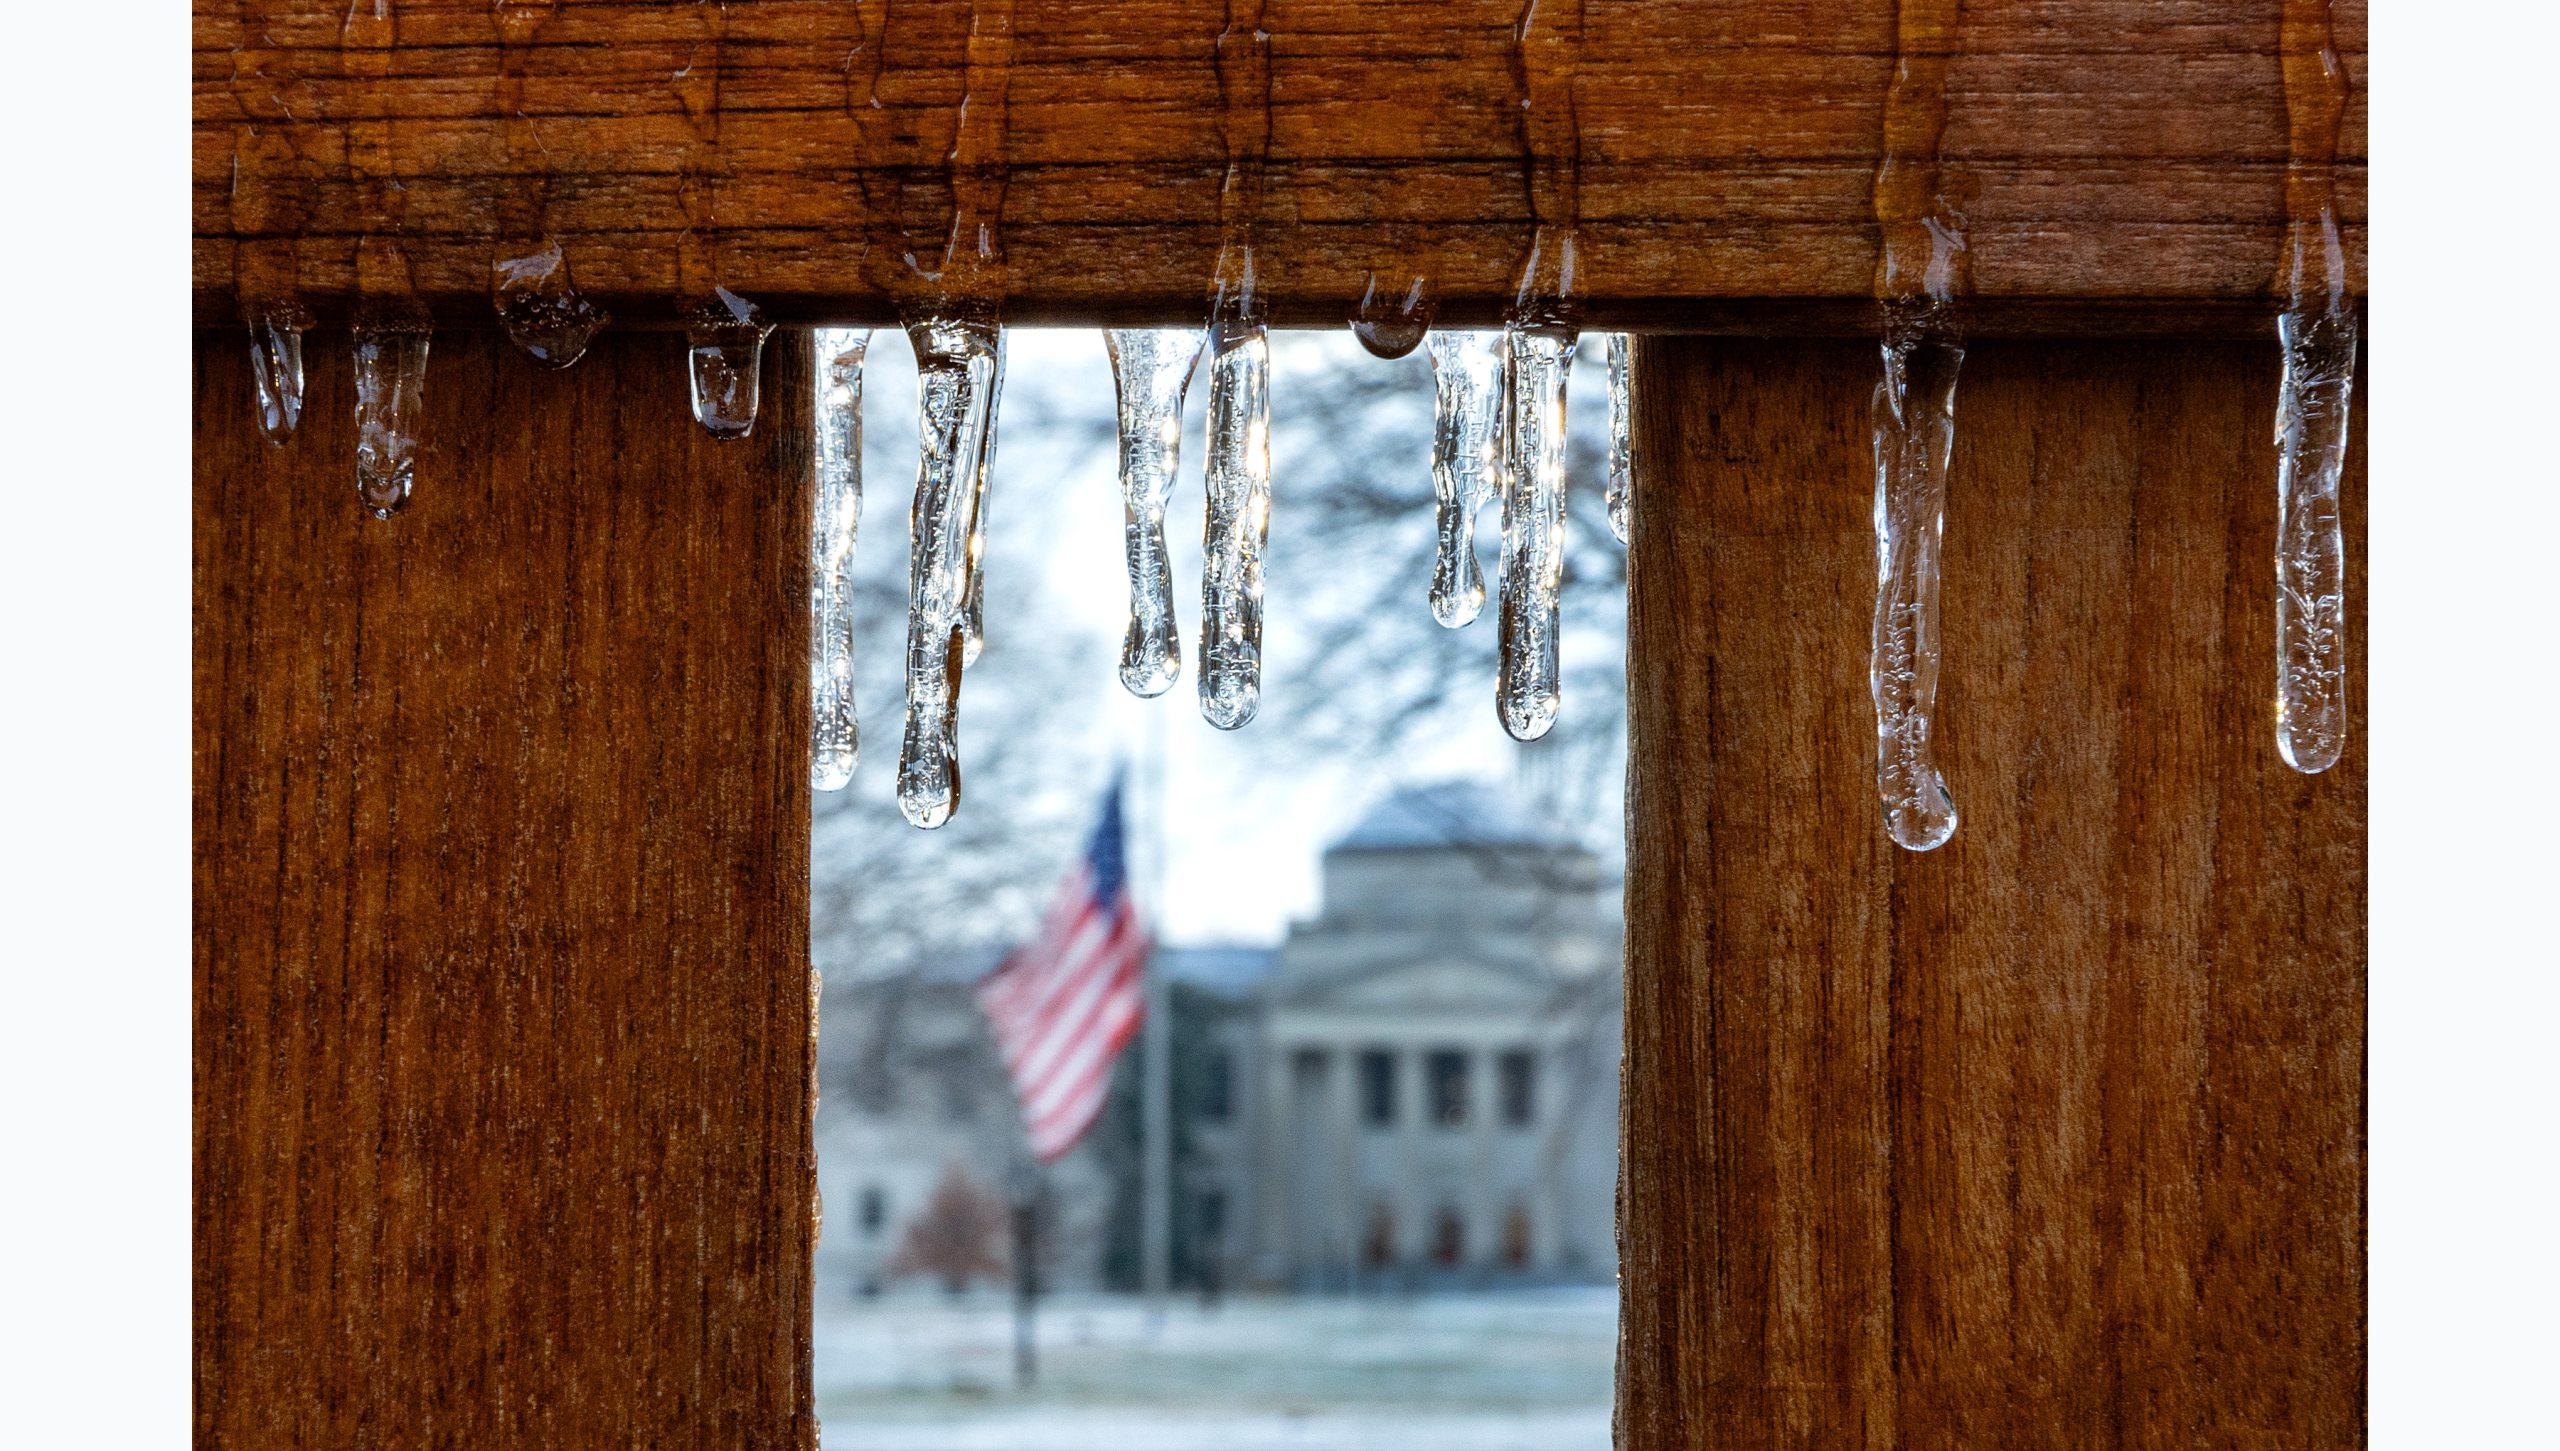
<point x="1065" y="1003"/>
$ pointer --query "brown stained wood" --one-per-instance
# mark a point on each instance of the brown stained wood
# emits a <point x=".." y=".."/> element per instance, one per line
<point x="502" y="1000"/>
<point x="2121" y="161"/>
<point x="2052" y="1137"/>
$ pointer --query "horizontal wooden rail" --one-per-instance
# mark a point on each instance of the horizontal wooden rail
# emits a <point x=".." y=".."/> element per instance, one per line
<point x="2120" y="162"/>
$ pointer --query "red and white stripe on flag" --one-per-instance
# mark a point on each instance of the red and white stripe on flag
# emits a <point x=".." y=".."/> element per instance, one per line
<point x="1064" y="1004"/>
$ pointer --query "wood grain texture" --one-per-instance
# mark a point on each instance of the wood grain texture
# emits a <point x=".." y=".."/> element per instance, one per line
<point x="2053" y="1137"/>
<point x="503" y="1034"/>
<point x="2121" y="161"/>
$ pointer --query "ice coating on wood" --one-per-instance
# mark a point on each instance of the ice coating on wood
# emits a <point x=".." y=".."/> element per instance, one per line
<point x="2311" y="557"/>
<point x="1151" y="372"/>
<point x="1467" y="460"/>
<point x="1529" y="688"/>
<point x="2318" y="330"/>
<point x="275" y="367"/>
<point x="835" y="736"/>
<point x="541" y="308"/>
<point x="1919" y="271"/>
<point x="958" y="365"/>
<point x="391" y="375"/>
<point x="725" y="334"/>
<point x="1914" y="435"/>
<point x="1239" y="517"/>
<point x="1621" y="435"/>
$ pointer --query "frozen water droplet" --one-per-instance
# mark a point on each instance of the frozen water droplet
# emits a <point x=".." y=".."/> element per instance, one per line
<point x="1238" y="484"/>
<point x="959" y="365"/>
<point x="1393" y="322"/>
<point x="727" y="335"/>
<point x="1529" y="689"/>
<point x="835" y="733"/>
<point x="1914" y="431"/>
<point x="1151" y="370"/>
<point x="391" y="376"/>
<point x="275" y="366"/>
<point x="1468" y="371"/>
<point x="539" y="305"/>
<point x="1621" y="433"/>
<point x="2311" y="557"/>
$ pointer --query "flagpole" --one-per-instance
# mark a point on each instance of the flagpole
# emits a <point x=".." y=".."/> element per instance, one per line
<point x="1156" y="1060"/>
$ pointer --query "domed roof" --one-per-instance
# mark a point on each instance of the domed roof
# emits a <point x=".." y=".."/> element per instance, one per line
<point x="1450" y="814"/>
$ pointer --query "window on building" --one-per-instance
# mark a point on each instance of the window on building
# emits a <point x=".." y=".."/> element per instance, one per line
<point x="1449" y="1091"/>
<point x="1308" y="1067"/>
<point x="1211" y="1212"/>
<point x="1449" y="1238"/>
<point x="1378" y="1088"/>
<point x="1378" y="1245"/>
<point x="1519" y="1073"/>
<point x="1218" y="1087"/>
<point x="874" y="1211"/>
<point x="1515" y="1237"/>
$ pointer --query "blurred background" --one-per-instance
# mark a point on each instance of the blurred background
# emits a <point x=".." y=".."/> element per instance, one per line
<point x="1384" y="974"/>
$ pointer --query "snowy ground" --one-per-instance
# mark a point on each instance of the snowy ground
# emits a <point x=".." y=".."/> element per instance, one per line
<point x="1496" y="1371"/>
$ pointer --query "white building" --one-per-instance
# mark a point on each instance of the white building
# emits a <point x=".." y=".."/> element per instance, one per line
<point x="1420" y="1086"/>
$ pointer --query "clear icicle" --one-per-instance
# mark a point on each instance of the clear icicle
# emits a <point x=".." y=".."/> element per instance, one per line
<point x="541" y="308"/>
<point x="2311" y="587"/>
<point x="958" y="363"/>
<point x="1529" y="687"/>
<point x="1621" y="435"/>
<point x="391" y="376"/>
<point x="1467" y="443"/>
<point x="1915" y="429"/>
<point x="1239" y="517"/>
<point x="726" y="334"/>
<point x="835" y="733"/>
<point x="1151" y="371"/>
<point x="275" y="366"/>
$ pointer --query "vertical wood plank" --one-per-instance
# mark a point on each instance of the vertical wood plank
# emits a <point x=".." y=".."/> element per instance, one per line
<point x="2052" y="1137"/>
<point x="502" y="1002"/>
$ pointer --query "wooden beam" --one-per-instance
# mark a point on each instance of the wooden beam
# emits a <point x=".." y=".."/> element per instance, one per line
<point x="2121" y="161"/>
<point x="503" y="1027"/>
<point x="2053" y="1136"/>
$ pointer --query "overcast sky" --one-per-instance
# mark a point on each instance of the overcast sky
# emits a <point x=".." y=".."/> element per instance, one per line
<point x="1253" y="807"/>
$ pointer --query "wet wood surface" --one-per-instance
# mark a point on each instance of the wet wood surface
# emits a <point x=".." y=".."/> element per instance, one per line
<point x="2054" y="1136"/>
<point x="2120" y="162"/>
<point x="503" y="1030"/>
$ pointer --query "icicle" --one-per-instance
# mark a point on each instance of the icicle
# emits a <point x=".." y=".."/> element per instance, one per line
<point x="1391" y="324"/>
<point x="1622" y="469"/>
<point x="1239" y="517"/>
<point x="1468" y="402"/>
<point x="835" y="733"/>
<point x="1915" y="431"/>
<point x="542" y="310"/>
<point x="1529" y="689"/>
<point x="958" y="363"/>
<point x="1920" y="269"/>
<point x="727" y="335"/>
<point x="2318" y="330"/>
<point x="1151" y="371"/>
<point x="275" y="366"/>
<point x="2311" y="556"/>
<point x="391" y="375"/>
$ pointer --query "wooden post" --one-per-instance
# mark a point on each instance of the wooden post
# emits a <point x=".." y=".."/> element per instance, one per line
<point x="2054" y="1136"/>
<point x="502" y="1000"/>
